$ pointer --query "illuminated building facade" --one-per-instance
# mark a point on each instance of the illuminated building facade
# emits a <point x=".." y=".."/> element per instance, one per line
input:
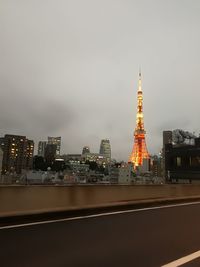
<point x="139" y="153"/>
<point x="17" y="154"/>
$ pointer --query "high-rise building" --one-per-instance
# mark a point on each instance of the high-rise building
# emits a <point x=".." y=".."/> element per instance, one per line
<point x="29" y="150"/>
<point x="55" y="141"/>
<point x="17" y="153"/>
<point x="50" y="154"/>
<point x="105" y="149"/>
<point x="167" y="137"/>
<point x="41" y="148"/>
<point x="139" y="152"/>
<point x="85" y="150"/>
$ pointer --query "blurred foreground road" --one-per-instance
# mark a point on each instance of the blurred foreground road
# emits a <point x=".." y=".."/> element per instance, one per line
<point x="148" y="238"/>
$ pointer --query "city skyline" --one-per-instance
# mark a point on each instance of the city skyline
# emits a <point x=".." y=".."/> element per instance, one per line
<point x="73" y="71"/>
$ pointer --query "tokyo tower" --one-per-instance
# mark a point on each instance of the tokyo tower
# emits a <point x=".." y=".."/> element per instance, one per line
<point x="139" y="151"/>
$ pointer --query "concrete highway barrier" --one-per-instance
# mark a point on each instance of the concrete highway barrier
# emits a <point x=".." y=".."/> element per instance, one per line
<point x="23" y="200"/>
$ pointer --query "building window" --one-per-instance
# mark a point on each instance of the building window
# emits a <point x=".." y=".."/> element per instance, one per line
<point x="178" y="161"/>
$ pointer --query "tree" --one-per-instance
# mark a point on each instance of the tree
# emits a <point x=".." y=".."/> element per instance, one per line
<point x="92" y="165"/>
<point x="39" y="163"/>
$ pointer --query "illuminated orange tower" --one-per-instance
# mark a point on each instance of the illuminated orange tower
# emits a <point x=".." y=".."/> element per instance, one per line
<point x="139" y="151"/>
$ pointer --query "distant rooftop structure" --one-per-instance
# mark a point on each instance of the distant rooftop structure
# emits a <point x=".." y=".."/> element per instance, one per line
<point x="86" y="150"/>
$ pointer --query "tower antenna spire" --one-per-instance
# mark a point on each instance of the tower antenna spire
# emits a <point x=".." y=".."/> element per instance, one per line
<point x="140" y="80"/>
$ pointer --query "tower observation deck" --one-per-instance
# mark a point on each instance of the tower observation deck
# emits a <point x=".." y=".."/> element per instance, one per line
<point x="139" y="151"/>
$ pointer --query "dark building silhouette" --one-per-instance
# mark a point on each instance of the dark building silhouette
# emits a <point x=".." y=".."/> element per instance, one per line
<point x="58" y="165"/>
<point x="167" y="139"/>
<point x="55" y="141"/>
<point x="182" y="162"/>
<point x="17" y="153"/>
<point x="50" y="154"/>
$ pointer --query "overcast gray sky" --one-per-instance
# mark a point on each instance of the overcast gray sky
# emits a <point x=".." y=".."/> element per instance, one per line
<point x="69" y="68"/>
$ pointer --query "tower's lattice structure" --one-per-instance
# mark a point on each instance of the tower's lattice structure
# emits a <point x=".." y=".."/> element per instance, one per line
<point x="139" y="151"/>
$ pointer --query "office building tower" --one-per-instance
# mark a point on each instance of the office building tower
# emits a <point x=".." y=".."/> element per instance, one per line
<point x="167" y="137"/>
<point x="17" y="153"/>
<point x="55" y="141"/>
<point x="139" y="152"/>
<point x="105" y="149"/>
<point x="29" y="153"/>
<point x="41" y="148"/>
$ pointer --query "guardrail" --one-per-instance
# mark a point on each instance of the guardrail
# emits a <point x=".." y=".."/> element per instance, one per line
<point x="22" y="200"/>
